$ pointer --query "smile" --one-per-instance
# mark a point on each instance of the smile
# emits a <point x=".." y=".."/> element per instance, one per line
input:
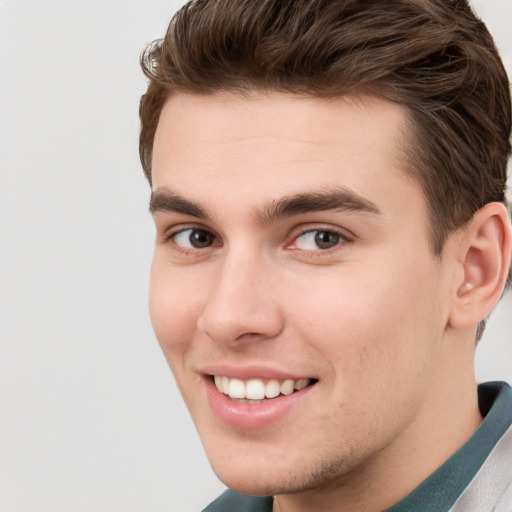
<point x="258" y="389"/>
<point x="253" y="403"/>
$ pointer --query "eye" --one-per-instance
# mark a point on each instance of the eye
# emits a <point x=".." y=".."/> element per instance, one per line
<point x="318" y="239"/>
<point x="193" y="238"/>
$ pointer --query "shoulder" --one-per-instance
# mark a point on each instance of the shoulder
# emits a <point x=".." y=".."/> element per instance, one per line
<point x="231" y="501"/>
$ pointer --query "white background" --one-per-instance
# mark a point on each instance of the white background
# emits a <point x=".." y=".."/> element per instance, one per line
<point x="90" y="418"/>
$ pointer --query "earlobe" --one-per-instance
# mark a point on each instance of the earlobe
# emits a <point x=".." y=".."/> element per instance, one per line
<point x="486" y="246"/>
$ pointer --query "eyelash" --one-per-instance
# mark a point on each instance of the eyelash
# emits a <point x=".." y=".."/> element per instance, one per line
<point x="170" y="238"/>
<point x="343" y="236"/>
<point x="344" y="239"/>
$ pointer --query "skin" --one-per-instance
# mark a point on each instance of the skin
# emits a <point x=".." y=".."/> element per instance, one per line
<point x="370" y="317"/>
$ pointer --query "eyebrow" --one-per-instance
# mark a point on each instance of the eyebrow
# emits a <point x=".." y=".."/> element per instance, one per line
<point x="165" y="200"/>
<point x="338" y="199"/>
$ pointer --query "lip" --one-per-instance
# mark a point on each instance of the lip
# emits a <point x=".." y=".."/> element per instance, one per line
<point x="252" y="416"/>
<point x="251" y="372"/>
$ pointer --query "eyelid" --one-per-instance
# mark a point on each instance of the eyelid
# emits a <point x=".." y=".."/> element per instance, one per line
<point x="346" y="236"/>
<point x="171" y="231"/>
<point x="169" y="235"/>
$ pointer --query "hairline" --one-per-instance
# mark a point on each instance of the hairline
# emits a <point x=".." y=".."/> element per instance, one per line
<point x="406" y="146"/>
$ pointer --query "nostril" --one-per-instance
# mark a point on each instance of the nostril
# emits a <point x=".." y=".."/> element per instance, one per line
<point x="250" y="336"/>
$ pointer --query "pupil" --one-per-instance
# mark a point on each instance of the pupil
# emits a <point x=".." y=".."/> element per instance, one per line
<point x="201" y="239"/>
<point x="326" y="239"/>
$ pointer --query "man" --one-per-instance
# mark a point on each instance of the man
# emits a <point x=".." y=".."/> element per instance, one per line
<point x="328" y="188"/>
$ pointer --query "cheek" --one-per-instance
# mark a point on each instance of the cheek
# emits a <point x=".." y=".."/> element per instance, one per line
<point x="174" y="309"/>
<point x="366" y="321"/>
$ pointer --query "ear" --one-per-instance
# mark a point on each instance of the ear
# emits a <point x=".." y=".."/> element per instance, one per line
<point x="485" y="252"/>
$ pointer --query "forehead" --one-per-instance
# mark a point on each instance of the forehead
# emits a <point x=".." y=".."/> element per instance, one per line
<point x="335" y="122"/>
<point x="270" y="145"/>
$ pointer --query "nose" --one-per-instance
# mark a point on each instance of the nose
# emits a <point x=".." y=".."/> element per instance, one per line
<point x="242" y="303"/>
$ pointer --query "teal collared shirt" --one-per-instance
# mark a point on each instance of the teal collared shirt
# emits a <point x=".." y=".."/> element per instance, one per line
<point x="456" y="480"/>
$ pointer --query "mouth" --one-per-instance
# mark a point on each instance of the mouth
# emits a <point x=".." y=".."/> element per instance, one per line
<point x="256" y="391"/>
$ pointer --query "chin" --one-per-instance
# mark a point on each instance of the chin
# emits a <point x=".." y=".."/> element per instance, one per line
<point x="252" y="482"/>
<point x="266" y="481"/>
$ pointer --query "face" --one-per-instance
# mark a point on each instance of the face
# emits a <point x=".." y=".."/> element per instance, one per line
<point x="293" y="289"/>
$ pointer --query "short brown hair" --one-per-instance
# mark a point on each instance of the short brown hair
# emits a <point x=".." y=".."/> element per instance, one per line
<point x="434" y="56"/>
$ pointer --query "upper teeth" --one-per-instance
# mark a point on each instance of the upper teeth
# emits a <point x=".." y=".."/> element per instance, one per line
<point x="257" y="389"/>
